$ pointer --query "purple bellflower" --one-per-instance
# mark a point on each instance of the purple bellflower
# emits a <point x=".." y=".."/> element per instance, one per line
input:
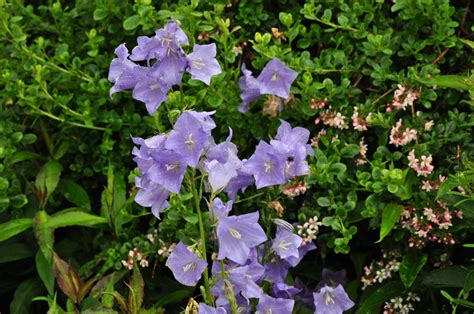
<point x="202" y="63"/>
<point x="266" y="165"/>
<point x="250" y="89"/>
<point x="276" y="78"/>
<point x="219" y="209"/>
<point x="187" y="268"/>
<point x="188" y="139"/>
<point x="286" y="243"/>
<point x="332" y="300"/>
<point x="237" y="234"/>
<point x="168" y="170"/>
<point x="284" y="291"/>
<point x="123" y="73"/>
<point x="152" y="91"/>
<point x="222" y="164"/>
<point x="302" y="250"/>
<point x="151" y="194"/>
<point x="267" y="304"/>
<point x="206" y="309"/>
<point x="166" y="40"/>
<point x="241" y="181"/>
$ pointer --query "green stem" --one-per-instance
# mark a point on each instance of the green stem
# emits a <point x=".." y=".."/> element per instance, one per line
<point x="197" y="200"/>
<point x="229" y="290"/>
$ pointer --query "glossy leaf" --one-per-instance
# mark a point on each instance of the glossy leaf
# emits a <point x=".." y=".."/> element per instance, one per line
<point x="410" y="266"/>
<point x="390" y="215"/>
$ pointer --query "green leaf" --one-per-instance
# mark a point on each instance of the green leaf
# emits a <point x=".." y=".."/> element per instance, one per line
<point x="100" y="14"/>
<point x="131" y="23"/>
<point x="378" y="296"/>
<point x="324" y="201"/>
<point x="451" y="81"/>
<point x="24" y="295"/>
<point x="48" y="178"/>
<point x="453" y="276"/>
<point x="173" y="297"/>
<point x="467" y="42"/>
<point x="14" y="252"/>
<point x="45" y="271"/>
<point x="13" y="227"/>
<point x="468" y="284"/>
<point x="136" y="294"/>
<point x="411" y="265"/>
<point x="74" y="193"/>
<point x="390" y="215"/>
<point x="74" y="218"/>
<point x="21" y="156"/>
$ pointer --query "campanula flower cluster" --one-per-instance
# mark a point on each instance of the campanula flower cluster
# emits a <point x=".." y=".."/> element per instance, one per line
<point x="246" y="264"/>
<point x="166" y="62"/>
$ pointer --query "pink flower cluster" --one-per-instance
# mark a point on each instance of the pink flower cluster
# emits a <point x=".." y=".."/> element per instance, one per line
<point x="401" y="305"/>
<point x="400" y="137"/>
<point x="403" y="97"/>
<point x="380" y="270"/>
<point x="135" y="255"/>
<point x="360" y="124"/>
<point x="423" y="167"/>
<point x="429" y="225"/>
<point x="432" y="185"/>
<point x="315" y="139"/>
<point x="295" y="188"/>
<point x="362" y="153"/>
<point x="317" y="104"/>
<point x="332" y="118"/>
<point x="308" y="230"/>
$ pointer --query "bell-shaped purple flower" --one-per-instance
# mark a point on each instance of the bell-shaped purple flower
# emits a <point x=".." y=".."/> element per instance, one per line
<point x="276" y="78"/>
<point x="202" y="63"/>
<point x="147" y="147"/>
<point x="151" y="194"/>
<point x="302" y="250"/>
<point x="168" y="170"/>
<point x="286" y="244"/>
<point x="170" y="68"/>
<point x="219" y="209"/>
<point x="206" y="309"/>
<point x="284" y="291"/>
<point x="266" y="165"/>
<point x="241" y="181"/>
<point x="267" y="304"/>
<point x="237" y="234"/>
<point x="166" y="40"/>
<point x="332" y="300"/>
<point x="188" y="139"/>
<point x="222" y="164"/>
<point x="249" y="89"/>
<point x="152" y="91"/>
<point x="293" y="136"/>
<point x="122" y="72"/>
<point x="203" y="118"/>
<point x="187" y="268"/>
<point x="276" y="270"/>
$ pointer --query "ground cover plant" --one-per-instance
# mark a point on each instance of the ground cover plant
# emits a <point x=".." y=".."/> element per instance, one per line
<point x="226" y="156"/>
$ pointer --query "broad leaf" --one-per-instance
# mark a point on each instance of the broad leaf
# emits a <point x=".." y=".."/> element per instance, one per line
<point x="13" y="227"/>
<point x="45" y="271"/>
<point x="452" y="276"/>
<point x="390" y="215"/>
<point x="378" y="296"/>
<point x="14" y="252"/>
<point x="47" y="179"/>
<point x="410" y="266"/>
<point x="67" y="278"/>
<point x="74" y="193"/>
<point x="74" y="218"/>
<point x="24" y="295"/>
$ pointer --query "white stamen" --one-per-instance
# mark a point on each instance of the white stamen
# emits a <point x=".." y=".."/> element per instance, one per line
<point x="170" y="167"/>
<point x="328" y="299"/>
<point x="189" y="142"/>
<point x="268" y="166"/>
<point x="235" y="233"/>
<point x="275" y="76"/>
<point x="155" y="86"/>
<point x="198" y="64"/>
<point x="190" y="266"/>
